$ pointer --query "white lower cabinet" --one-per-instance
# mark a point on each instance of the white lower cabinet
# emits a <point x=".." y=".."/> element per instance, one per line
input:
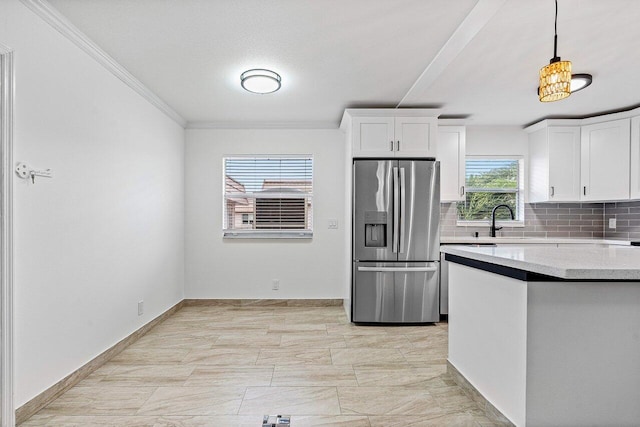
<point x="605" y="166"/>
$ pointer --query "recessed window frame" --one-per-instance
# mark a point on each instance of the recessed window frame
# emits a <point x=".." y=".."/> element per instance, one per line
<point x="520" y="191"/>
<point x="305" y="193"/>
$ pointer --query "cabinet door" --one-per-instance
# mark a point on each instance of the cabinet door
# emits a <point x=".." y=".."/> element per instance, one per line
<point x="539" y="166"/>
<point x="605" y="149"/>
<point x="564" y="164"/>
<point x="451" y="152"/>
<point x="415" y="136"/>
<point x="635" y="158"/>
<point x="373" y="137"/>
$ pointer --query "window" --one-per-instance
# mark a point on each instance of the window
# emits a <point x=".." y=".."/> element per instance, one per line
<point x="490" y="182"/>
<point x="268" y="196"/>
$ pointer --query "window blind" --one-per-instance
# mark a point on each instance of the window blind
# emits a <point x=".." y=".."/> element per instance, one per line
<point x="488" y="183"/>
<point x="268" y="196"/>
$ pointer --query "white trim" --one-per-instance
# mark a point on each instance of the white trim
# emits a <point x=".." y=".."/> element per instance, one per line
<point x="7" y="404"/>
<point x="474" y="22"/>
<point x="599" y="118"/>
<point x="275" y="234"/>
<point x="262" y="125"/>
<point x="50" y="15"/>
<point x="351" y="113"/>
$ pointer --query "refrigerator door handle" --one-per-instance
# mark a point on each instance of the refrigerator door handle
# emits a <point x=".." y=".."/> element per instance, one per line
<point x="396" y="195"/>
<point x="402" y="209"/>
<point x="398" y="269"/>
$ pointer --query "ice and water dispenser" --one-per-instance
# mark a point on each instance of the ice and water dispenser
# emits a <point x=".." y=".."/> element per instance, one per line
<point x="375" y="229"/>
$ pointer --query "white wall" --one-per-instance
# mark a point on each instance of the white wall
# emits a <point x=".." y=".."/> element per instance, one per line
<point x="500" y="140"/>
<point x="107" y="230"/>
<point x="241" y="268"/>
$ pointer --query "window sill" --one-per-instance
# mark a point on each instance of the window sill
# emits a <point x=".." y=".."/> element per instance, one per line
<point x="277" y="234"/>
<point x="513" y="224"/>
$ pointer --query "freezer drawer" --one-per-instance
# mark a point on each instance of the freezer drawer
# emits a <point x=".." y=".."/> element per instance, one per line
<point x="399" y="292"/>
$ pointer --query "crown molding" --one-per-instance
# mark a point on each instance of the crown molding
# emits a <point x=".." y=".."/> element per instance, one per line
<point x="582" y="121"/>
<point x="262" y="125"/>
<point x="49" y="14"/>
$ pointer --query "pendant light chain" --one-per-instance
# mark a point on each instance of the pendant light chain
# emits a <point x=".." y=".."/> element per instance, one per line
<point x="555" y="35"/>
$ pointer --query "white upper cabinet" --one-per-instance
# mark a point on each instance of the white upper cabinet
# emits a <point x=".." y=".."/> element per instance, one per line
<point x="554" y="164"/>
<point x="373" y="136"/>
<point x="391" y="132"/>
<point x="451" y="153"/>
<point x="415" y="136"/>
<point x="635" y="158"/>
<point x="605" y="166"/>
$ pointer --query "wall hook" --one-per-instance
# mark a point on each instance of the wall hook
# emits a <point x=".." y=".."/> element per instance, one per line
<point x="24" y="171"/>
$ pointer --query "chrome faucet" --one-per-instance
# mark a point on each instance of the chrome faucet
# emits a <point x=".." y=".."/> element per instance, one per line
<point x="493" y="219"/>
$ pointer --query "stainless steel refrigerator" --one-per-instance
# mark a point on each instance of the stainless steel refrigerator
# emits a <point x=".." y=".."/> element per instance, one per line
<point x="396" y="241"/>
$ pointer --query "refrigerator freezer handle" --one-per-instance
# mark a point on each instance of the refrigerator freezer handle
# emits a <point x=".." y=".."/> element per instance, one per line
<point x="402" y="209"/>
<point x="396" y="211"/>
<point x="398" y="269"/>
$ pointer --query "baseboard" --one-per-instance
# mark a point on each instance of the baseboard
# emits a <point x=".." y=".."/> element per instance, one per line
<point x="264" y="302"/>
<point x="489" y="410"/>
<point x="25" y="411"/>
<point x="346" y="304"/>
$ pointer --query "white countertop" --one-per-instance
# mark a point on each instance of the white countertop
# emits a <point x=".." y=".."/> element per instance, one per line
<point x="526" y="240"/>
<point x="584" y="263"/>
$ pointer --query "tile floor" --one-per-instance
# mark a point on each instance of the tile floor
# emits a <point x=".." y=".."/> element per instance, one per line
<point x="228" y="366"/>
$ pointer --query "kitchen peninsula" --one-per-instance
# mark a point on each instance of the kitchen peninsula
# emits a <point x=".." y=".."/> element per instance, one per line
<point x="549" y="336"/>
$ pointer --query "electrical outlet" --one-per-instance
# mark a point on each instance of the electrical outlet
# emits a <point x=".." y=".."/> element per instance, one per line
<point x="140" y="308"/>
<point x="612" y="223"/>
<point x="333" y="224"/>
<point x="275" y="284"/>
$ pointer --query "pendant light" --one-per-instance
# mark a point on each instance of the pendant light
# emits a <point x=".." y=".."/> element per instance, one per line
<point x="555" y="78"/>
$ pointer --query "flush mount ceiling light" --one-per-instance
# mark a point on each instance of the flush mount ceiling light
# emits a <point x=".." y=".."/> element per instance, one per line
<point x="261" y="81"/>
<point x="555" y="78"/>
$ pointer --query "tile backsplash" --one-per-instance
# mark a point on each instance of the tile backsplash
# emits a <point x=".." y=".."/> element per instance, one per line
<point x="627" y="215"/>
<point x="570" y="220"/>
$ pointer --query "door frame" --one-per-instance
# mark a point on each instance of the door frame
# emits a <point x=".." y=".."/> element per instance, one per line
<point x="7" y="87"/>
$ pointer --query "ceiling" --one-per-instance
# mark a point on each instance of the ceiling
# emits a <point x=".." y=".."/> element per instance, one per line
<point x="476" y="59"/>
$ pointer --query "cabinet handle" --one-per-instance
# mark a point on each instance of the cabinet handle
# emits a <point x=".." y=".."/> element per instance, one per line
<point x="584" y="190"/>
<point x="462" y="190"/>
<point x="553" y="191"/>
<point x="398" y="146"/>
<point x="391" y="145"/>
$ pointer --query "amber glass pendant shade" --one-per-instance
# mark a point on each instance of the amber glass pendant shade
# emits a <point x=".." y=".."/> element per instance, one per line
<point x="555" y="81"/>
